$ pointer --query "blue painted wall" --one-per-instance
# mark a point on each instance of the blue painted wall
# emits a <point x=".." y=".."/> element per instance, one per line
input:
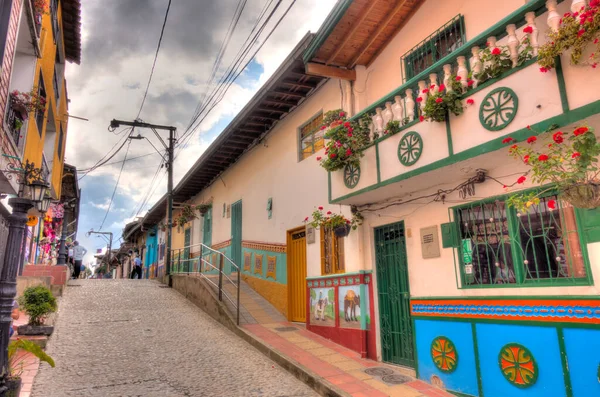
<point x="544" y="346"/>
<point x="464" y="378"/>
<point x="151" y="250"/>
<point x="583" y="353"/>
<point x="281" y="266"/>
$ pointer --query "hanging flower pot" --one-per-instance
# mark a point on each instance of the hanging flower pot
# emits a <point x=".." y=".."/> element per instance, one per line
<point x="203" y="209"/>
<point x="342" y="230"/>
<point x="582" y="195"/>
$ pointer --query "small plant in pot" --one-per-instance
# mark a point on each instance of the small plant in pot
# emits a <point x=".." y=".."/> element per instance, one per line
<point x="340" y="225"/>
<point x="566" y="161"/>
<point x="38" y="302"/>
<point x="16" y="363"/>
<point x="203" y="208"/>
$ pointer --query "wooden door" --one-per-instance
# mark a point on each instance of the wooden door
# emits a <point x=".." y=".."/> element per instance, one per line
<point x="296" y="262"/>
<point x="394" y="295"/>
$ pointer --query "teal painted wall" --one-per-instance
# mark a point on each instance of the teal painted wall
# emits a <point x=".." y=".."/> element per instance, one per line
<point x="281" y="265"/>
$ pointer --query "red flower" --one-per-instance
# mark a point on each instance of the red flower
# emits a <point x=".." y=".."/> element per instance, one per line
<point x="580" y="130"/>
<point x="594" y="3"/>
<point x="558" y="137"/>
<point x="347" y="124"/>
<point x="419" y="99"/>
<point x="425" y="91"/>
<point x="505" y="187"/>
<point x="528" y="29"/>
<point x="458" y="78"/>
<point x="350" y="130"/>
<point x="332" y="155"/>
<point x="328" y="212"/>
<point x="543" y="157"/>
<point x="526" y="159"/>
<point x="551" y="204"/>
<point x="528" y="127"/>
<point x="581" y="33"/>
<point x="594" y="65"/>
<point x="432" y="87"/>
<point x="575" y="155"/>
<point x="323" y="127"/>
<point x="521" y="180"/>
<point x="549" y="145"/>
<point x="421" y="118"/>
<point x="342" y="114"/>
<point x="567" y="14"/>
<point x="507" y="140"/>
<point x="470" y="101"/>
<point x="575" y="14"/>
<point x="513" y="147"/>
<point x="348" y="152"/>
<point x="470" y="82"/>
<point x="349" y="135"/>
<point x="442" y="88"/>
<point x="531" y="139"/>
<point x="319" y="158"/>
<point x="320" y="208"/>
<point x="544" y="70"/>
<point x="439" y="100"/>
<point x="496" y="51"/>
<point x="596" y="41"/>
<point x="306" y="219"/>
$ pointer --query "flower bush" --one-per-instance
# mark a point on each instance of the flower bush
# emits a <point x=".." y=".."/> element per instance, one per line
<point x="28" y="101"/>
<point x="439" y="104"/>
<point x="392" y="128"/>
<point x="497" y="60"/>
<point x="40" y="7"/>
<point x="38" y="302"/>
<point x="331" y="221"/>
<point x="565" y="160"/>
<point x="345" y="141"/>
<point x="575" y="33"/>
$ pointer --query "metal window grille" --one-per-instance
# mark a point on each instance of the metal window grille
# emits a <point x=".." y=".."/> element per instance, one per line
<point x="61" y="138"/>
<point x="39" y="114"/>
<point x="500" y="246"/>
<point x="311" y="137"/>
<point x="436" y="46"/>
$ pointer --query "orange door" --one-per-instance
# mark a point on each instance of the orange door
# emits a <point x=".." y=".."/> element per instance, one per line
<point x="296" y="260"/>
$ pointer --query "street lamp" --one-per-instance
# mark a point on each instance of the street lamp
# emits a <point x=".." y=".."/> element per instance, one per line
<point x="43" y="205"/>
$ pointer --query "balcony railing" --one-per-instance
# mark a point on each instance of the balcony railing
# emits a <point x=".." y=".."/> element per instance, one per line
<point x="14" y="122"/>
<point x="45" y="169"/>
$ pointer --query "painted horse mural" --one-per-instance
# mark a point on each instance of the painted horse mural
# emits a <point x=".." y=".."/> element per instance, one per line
<point x="320" y="306"/>
<point x="351" y="302"/>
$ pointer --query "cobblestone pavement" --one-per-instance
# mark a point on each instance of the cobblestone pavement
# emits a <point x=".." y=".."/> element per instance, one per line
<point x="134" y="338"/>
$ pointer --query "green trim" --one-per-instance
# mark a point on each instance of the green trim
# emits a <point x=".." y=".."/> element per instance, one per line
<point x="564" y="361"/>
<point x="508" y="297"/>
<point x="363" y="319"/>
<point x="501" y="77"/>
<point x="378" y="162"/>
<point x="504" y="322"/>
<point x="527" y="354"/>
<point x="477" y="364"/>
<point x="498" y="30"/>
<point x="449" y="136"/>
<point x="491" y="146"/>
<point x="498" y="109"/>
<point x="387" y="136"/>
<point x="459" y="394"/>
<point x="562" y="87"/>
<point x="410" y="148"/>
<point x="329" y="185"/>
<point x="349" y="173"/>
<point x="330" y="23"/>
<point x="340" y="275"/>
<point x="414" y="337"/>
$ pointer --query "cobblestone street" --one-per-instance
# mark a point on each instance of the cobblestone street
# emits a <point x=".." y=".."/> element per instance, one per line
<point x="134" y="338"/>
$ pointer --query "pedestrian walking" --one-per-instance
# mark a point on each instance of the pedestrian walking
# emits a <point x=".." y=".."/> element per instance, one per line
<point x="78" y="254"/>
<point x="137" y="268"/>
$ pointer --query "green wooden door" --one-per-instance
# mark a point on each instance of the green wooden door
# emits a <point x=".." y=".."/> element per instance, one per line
<point x="236" y="233"/>
<point x="207" y="228"/>
<point x="186" y="250"/>
<point x="394" y="295"/>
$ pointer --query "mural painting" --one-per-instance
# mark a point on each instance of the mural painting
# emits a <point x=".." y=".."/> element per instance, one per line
<point x="349" y="306"/>
<point x="322" y="302"/>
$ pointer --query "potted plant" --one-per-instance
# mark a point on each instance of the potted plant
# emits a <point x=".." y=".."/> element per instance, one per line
<point x="340" y="225"/>
<point x="25" y="102"/>
<point x="38" y="302"/>
<point x="577" y="33"/>
<point x="203" y="208"/>
<point x="16" y="363"/>
<point x="566" y="161"/>
<point x="162" y="226"/>
<point x="439" y="104"/>
<point x="345" y="140"/>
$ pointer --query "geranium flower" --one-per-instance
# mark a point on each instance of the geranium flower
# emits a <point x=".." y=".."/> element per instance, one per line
<point x="513" y="147"/>
<point x="425" y="91"/>
<point x="421" y="118"/>
<point x="496" y="51"/>
<point x="347" y="124"/>
<point x="470" y="82"/>
<point x="526" y="159"/>
<point x="432" y="87"/>
<point x="544" y="70"/>
<point x="596" y="41"/>
<point x="328" y="212"/>
<point x="319" y="158"/>
<point x="507" y="140"/>
<point x="580" y="130"/>
<point x="558" y="137"/>
<point x="531" y="139"/>
<point x="419" y="99"/>
<point x="458" y="78"/>
<point x="348" y="152"/>
<point x="575" y="155"/>
<point x="528" y="29"/>
<point x="567" y="14"/>
<point x="439" y="100"/>
<point x="551" y="204"/>
<point x="320" y="208"/>
<point x="323" y="127"/>
<point x="521" y="180"/>
<point x="306" y="219"/>
<point x="342" y="114"/>
<point x="470" y="101"/>
<point x="350" y="130"/>
<point x="581" y="33"/>
<point x="543" y="157"/>
<point x="442" y="88"/>
<point x="528" y="127"/>
<point x="349" y="135"/>
<point x="332" y="155"/>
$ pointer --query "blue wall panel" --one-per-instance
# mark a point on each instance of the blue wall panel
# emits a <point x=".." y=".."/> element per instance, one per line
<point x="543" y="344"/>
<point x="464" y="378"/>
<point x="582" y="346"/>
<point x="281" y="265"/>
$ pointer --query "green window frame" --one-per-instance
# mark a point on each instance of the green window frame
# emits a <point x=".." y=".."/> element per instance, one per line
<point x="498" y="247"/>
<point x="311" y="138"/>
<point x="448" y="38"/>
<point x="207" y="228"/>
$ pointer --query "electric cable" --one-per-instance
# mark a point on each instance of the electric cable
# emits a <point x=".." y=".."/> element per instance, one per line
<point x="120" y="161"/>
<point x="116" y="187"/>
<point x="105" y="160"/>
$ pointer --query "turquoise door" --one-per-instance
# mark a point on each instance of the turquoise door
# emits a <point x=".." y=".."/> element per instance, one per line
<point x="236" y="233"/>
<point x="151" y="251"/>
<point x="186" y="250"/>
<point x="207" y="228"/>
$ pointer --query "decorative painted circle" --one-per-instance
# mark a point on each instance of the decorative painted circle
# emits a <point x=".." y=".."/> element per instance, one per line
<point x="351" y="175"/>
<point x="444" y="354"/>
<point x="518" y="365"/>
<point x="410" y="148"/>
<point x="498" y="109"/>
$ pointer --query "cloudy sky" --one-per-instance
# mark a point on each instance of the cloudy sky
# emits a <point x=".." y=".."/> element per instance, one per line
<point x="119" y="44"/>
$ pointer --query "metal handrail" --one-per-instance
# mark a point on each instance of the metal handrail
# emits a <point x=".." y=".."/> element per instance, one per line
<point x="178" y="268"/>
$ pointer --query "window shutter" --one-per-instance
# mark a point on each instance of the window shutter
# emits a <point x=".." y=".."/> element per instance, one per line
<point x="449" y="235"/>
<point x="591" y="224"/>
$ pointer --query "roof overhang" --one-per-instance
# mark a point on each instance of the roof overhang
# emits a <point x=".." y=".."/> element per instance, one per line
<point x="287" y="88"/>
<point x="71" y="22"/>
<point x="356" y="31"/>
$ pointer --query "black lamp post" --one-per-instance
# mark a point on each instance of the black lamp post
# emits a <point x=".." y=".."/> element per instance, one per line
<point x="32" y="185"/>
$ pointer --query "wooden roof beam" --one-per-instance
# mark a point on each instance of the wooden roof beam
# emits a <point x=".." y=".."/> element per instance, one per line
<point x="286" y="92"/>
<point x="275" y="110"/>
<point x="281" y="102"/>
<point x="316" y="69"/>
<point x="305" y="84"/>
<point x="251" y="130"/>
<point x="376" y="34"/>
<point x="264" y="116"/>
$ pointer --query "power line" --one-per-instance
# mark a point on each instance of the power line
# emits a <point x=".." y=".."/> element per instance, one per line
<point x="116" y="187"/>
<point x="104" y="160"/>
<point x="162" y="31"/>
<point x="120" y="161"/>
